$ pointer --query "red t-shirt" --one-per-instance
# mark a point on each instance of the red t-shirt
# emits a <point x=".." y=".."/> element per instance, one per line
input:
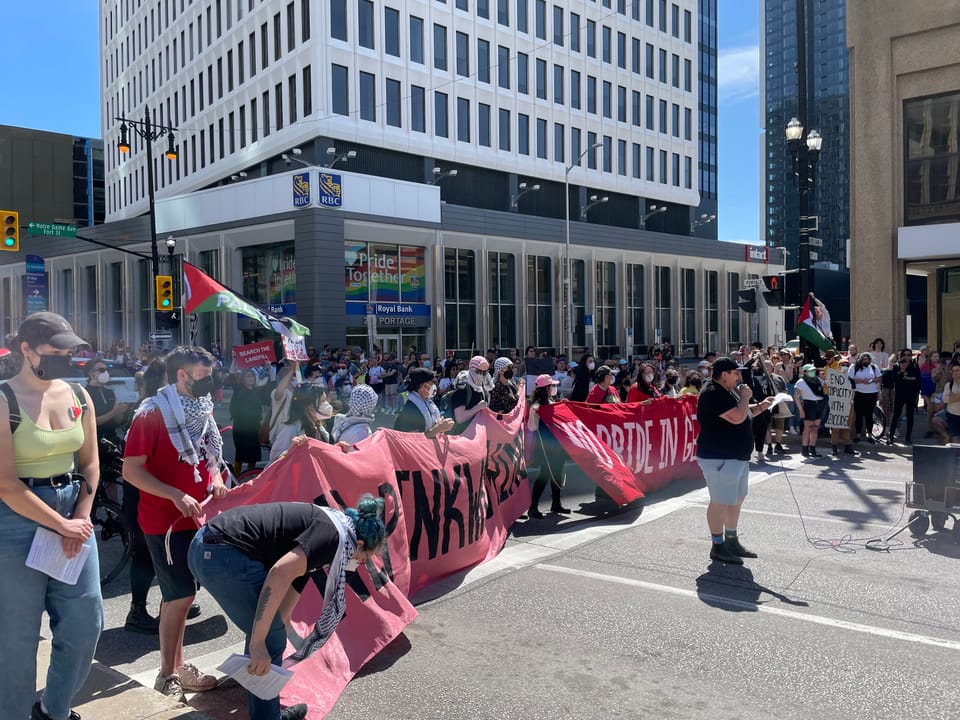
<point x="637" y="394"/>
<point x="599" y="395"/>
<point x="148" y="436"/>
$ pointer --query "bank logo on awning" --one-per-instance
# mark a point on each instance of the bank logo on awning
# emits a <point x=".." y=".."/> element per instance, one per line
<point x="331" y="190"/>
<point x="301" y="189"/>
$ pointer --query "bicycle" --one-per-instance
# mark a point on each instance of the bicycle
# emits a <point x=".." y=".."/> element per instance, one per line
<point x="107" y="515"/>
<point x="876" y="430"/>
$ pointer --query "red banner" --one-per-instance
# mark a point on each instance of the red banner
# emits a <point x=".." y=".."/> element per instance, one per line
<point x="254" y="354"/>
<point x="650" y="444"/>
<point x="448" y="505"/>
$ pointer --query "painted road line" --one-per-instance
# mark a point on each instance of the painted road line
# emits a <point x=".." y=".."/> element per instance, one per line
<point x="810" y="518"/>
<point x="755" y="607"/>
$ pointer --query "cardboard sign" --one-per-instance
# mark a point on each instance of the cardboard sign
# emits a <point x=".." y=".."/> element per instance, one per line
<point x="295" y="348"/>
<point x="254" y="354"/>
<point x="839" y="397"/>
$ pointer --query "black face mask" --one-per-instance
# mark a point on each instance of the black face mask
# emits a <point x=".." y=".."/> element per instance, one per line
<point x="508" y="374"/>
<point x="202" y="386"/>
<point x="52" y="367"/>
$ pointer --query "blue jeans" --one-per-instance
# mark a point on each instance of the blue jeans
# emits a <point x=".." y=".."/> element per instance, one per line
<point x="76" y="616"/>
<point x="235" y="582"/>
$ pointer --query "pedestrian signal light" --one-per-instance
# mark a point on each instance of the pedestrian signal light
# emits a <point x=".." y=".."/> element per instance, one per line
<point x="748" y="300"/>
<point x="164" y="292"/>
<point x="774" y="292"/>
<point x="10" y="229"/>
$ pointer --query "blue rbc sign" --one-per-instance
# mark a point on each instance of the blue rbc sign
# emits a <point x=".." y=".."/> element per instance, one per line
<point x="331" y="190"/>
<point x="301" y="189"/>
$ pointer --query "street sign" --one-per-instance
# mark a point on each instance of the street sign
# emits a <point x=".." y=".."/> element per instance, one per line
<point x="35" y="284"/>
<point x="815" y="242"/>
<point x="814" y="256"/>
<point x="51" y="229"/>
<point x="160" y="336"/>
<point x="752" y="283"/>
<point x="587" y="320"/>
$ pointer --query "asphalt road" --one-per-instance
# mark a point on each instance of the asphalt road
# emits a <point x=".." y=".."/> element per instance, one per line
<point x="625" y="616"/>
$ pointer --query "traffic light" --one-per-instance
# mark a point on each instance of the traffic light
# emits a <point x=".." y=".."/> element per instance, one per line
<point x="167" y="320"/>
<point x="748" y="300"/>
<point x="773" y="294"/>
<point x="164" y="292"/>
<point x="10" y="223"/>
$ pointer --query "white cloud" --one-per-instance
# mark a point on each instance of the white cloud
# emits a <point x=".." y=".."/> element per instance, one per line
<point x="738" y="74"/>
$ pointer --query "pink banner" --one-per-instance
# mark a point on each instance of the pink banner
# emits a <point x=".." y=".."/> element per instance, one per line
<point x="254" y="354"/>
<point x="448" y="505"/>
<point x="655" y="443"/>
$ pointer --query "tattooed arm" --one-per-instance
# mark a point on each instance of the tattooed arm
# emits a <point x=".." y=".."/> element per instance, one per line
<point x="275" y="588"/>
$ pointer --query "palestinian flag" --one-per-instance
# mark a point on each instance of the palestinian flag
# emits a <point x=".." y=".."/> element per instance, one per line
<point x="814" y="324"/>
<point x="204" y="294"/>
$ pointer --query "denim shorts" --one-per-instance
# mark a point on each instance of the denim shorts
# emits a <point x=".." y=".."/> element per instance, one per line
<point x="727" y="480"/>
<point x="176" y="581"/>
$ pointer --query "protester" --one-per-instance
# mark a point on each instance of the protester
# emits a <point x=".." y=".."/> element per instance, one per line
<point x="906" y="395"/>
<point x="280" y="400"/>
<point x="623" y="382"/>
<point x="761" y="388"/>
<point x="111" y="415"/>
<point x="173" y="455"/>
<point x="691" y="385"/>
<point x="810" y="396"/>
<point x="951" y="401"/>
<point x="865" y="376"/>
<point x="446" y="383"/>
<point x="308" y="413"/>
<point x="505" y="395"/>
<point x="391" y="381"/>
<point x="644" y="390"/>
<point x="564" y="376"/>
<point x="40" y="488"/>
<point x="420" y="413"/>
<point x="724" y="446"/>
<point x="548" y="455"/>
<point x="838" y="435"/>
<point x="470" y="400"/>
<point x="932" y="375"/>
<point x="878" y="353"/>
<point x="781" y="414"/>
<point x="256" y="560"/>
<point x="582" y="375"/>
<point x="356" y="424"/>
<point x="671" y="384"/>
<point x="246" y="414"/>
<point x="602" y="392"/>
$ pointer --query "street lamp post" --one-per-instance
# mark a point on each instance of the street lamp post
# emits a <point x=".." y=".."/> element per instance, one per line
<point x="439" y="174"/>
<point x="337" y="157"/>
<point x="567" y="281"/>
<point x="654" y="210"/>
<point x="149" y="131"/>
<point x="704" y="219"/>
<point x="594" y="201"/>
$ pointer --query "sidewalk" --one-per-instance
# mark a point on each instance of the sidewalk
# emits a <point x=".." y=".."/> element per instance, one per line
<point x="108" y="694"/>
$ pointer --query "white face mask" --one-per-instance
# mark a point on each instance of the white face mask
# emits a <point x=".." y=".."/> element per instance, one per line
<point x="103" y="378"/>
<point x="325" y="409"/>
<point x="591" y="366"/>
<point x="433" y="392"/>
<point x="552" y="391"/>
<point x="648" y="378"/>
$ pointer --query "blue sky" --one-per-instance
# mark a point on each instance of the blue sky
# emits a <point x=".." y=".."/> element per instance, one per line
<point x="51" y="65"/>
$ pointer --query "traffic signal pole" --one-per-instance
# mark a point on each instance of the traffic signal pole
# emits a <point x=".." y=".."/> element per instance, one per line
<point x="803" y="256"/>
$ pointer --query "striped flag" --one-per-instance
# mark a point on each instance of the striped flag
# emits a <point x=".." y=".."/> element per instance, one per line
<point x="814" y="324"/>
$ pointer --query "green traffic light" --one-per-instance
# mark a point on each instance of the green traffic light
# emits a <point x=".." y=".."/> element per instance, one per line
<point x="165" y="302"/>
<point x="8" y="242"/>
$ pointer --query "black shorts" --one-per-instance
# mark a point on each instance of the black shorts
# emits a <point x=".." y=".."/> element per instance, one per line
<point x="176" y="581"/>
<point x="812" y="410"/>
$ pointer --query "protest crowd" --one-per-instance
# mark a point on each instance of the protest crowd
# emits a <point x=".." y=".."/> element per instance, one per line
<point x="192" y="398"/>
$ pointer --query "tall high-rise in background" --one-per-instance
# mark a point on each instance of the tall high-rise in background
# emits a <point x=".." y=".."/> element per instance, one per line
<point x="827" y="112"/>
<point x="707" y="110"/>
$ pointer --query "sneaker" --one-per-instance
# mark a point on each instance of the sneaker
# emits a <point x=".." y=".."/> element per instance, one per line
<point x="171" y="687"/>
<point x="834" y="451"/>
<point x="814" y="453"/>
<point x="734" y="546"/>
<point x="780" y="450"/>
<point x="769" y="451"/>
<point x="889" y="441"/>
<point x="848" y="450"/>
<point x="294" y="712"/>
<point x="871" y="440"/>
<point x="720" y="553"/>
<point x="140" y="621"/>
<point x="193" y="612"/>
<point x="559" y="510"/>
<point x="37" y="713"/>
<point x="535" y="514"/>
<point x="192" y="680"/>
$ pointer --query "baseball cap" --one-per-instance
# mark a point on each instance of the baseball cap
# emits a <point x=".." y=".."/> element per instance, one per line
<point x="544" y="381"/>
<point x="572" y="364"/>
<point x="725" y="364"/>
<point x="623" y="361"/>
<point x="703" y="365"/>
<point x="808" y="367"/>
<point x="48" y="328"/>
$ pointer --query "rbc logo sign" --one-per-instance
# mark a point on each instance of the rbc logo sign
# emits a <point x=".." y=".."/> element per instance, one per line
<point x="331" y="190"/>
<point x="301" y="189"/>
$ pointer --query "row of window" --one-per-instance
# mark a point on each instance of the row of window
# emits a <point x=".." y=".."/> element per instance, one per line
<point x="247" y="124"/>
<point x="643" y="56"/>
<point x="611" y="312"/>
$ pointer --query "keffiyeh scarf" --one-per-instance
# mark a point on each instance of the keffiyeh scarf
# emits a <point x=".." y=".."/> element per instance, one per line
<point x="427" y="408"/>
<point x="334" y="602"/>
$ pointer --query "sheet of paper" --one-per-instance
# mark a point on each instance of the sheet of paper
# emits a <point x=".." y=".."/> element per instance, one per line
<point x="46" y="555"/>
<point x="779" y="398"/>
<point x="264" y="687"/>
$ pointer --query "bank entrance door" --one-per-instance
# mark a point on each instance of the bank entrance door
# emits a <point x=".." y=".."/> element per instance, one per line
<point x="389" y="344"/>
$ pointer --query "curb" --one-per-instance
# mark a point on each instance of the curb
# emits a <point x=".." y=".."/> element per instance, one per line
<point x="110" y="694"/>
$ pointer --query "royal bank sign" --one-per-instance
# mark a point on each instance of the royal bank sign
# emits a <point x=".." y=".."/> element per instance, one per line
<point x="757" y="253"/>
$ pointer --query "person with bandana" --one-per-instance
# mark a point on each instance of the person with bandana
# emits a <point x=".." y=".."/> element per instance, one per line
<point x="505" y="395"/>
<point x="44" y="425"/>
<point x="173" y="456"/>
<point x="468" y="401"/>
<point x="256" y="560"/>
<point x="420" y="413"/>
<point x="355" y="425"/>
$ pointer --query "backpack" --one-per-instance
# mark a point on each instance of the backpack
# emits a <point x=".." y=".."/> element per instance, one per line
<point x="14" y="406"/>
<point x="446" y="402"/>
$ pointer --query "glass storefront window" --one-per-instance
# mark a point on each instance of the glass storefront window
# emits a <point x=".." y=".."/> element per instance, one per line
<point x="503" y="299"/>
<point x="578" y="270"/>
<point x="460" y="299"/>
<point x="605" y="323"/>
<point x="733" y="311"/>
<point x="661" y="299"/>
<point x="932" y="167"/>
<point x="636" y="307"/>
<point x="712" y="297"/>
<point x="539" y="301"/>
<point x="688" y="309"/>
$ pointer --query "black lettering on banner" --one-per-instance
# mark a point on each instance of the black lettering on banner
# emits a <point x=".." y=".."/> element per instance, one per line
<point x="425" y="517"/>
<point x="357" y="584"/>
<point x="450" y="512"/>
<point x="382" y="577"/>
<point x="478" y="506"/>
<point x="337" y="504"/>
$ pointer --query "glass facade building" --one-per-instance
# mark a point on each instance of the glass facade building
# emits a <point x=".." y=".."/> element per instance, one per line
<point x="827" y="70"/>
<point x="707" y="111"/>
